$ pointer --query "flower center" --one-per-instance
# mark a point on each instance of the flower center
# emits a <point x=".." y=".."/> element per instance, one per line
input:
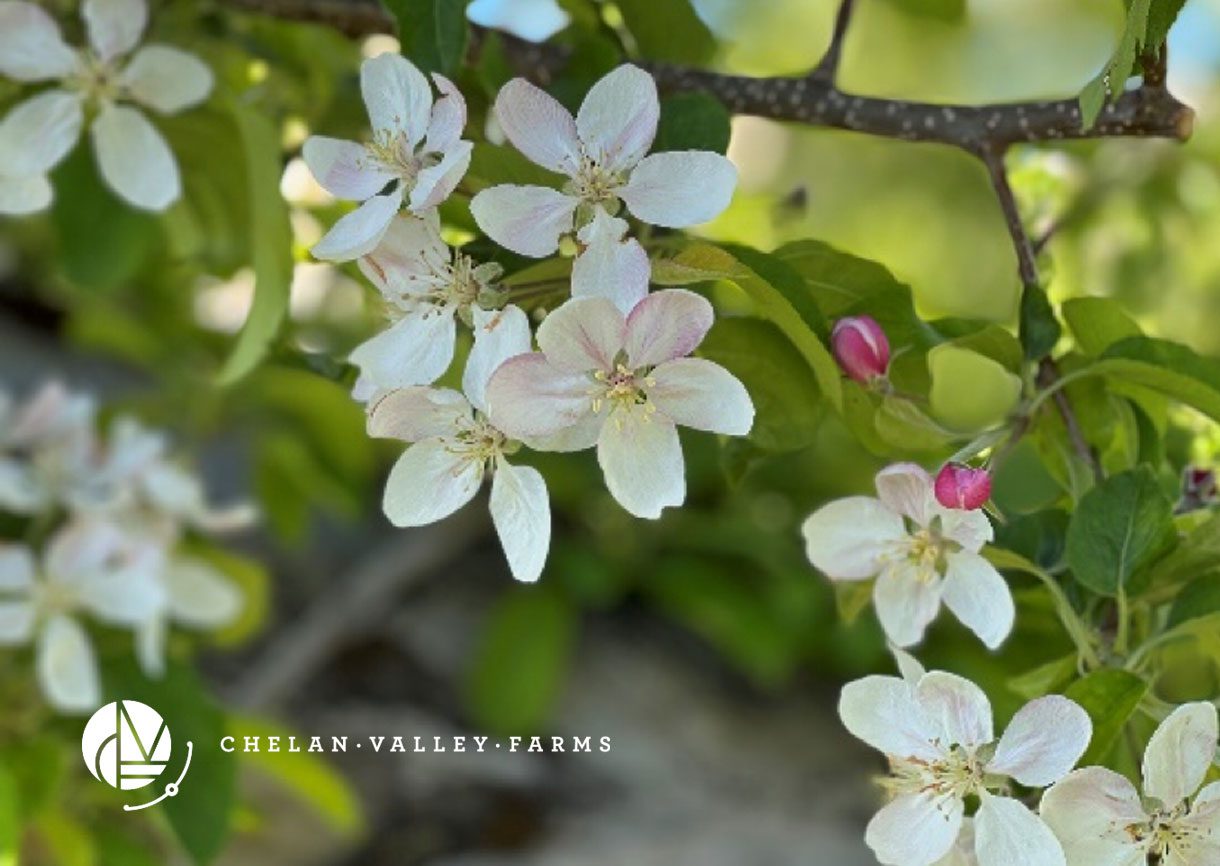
<point x="621" y="388"/>
<point x="392" y="152"/>
<point x="95" y="79"/>
<point x="593" y="183"/>
<point x="955" y="775"/>
<point x="1167" y="833"/>
<point x="477" y="440"/>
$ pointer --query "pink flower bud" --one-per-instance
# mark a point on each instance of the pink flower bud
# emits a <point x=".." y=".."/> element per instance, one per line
<point x="958" y="486"/>
<point x="861" y="347"/>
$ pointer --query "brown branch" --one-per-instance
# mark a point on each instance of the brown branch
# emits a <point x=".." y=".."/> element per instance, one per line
<point x="828" y="68"/>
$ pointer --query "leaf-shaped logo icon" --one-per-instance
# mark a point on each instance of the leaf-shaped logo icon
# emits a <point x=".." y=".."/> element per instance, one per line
<point x="126" y="744"/>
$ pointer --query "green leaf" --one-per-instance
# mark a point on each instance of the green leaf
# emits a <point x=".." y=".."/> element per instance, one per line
<point x="903" y="425"/>
<point x="970" y="391"/>
<point x="1196" y="554"/>
<point x="1045" y="679"/>
<point x="1098" y="323"/>
<point x="939" y="10"/>
<point x="271" y="238"/>
<point x="1169" y="368"/>
<point x="433" y="33"/>
<point x="1113" y="78"/>
<point x="1040" y="330"/>
<point x="693" y="121"/>
<point x="1199" y="598"/>
<point x="668" y="30"/>
<point x="1118" y="526"/>
<point x="10" y="818"/>
<point x="1109" y="696"/>
<point x="1161" y="16"/>
<point x="522" y="660"/>
<point x="36" y="764"/>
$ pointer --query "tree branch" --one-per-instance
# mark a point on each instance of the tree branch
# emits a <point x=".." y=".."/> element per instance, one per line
<point x="828" y="68"/>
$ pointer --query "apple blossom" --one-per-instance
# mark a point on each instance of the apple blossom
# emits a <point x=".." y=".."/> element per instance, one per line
<point x="37" y="134"/>
<point x="921" y="553"/>
<point x="622" y="383"/>
<point x="937" y="734"/>
<point x="610" y="265"/>
<point x="417" y="151"/>
<point x="425" y="285"/>
<point x="454" y="445"/>
<point x="1100" y="817"/>
<point x="861" y="347"/>
<point x="602" y="152"/>
<point x="962" y="487"/>
<point x="532" y="20"/>
<point x="194" y="594"/>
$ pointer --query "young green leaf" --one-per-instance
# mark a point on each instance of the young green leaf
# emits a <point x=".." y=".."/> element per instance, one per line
<point x="1098" y="323"/>
<point x="433" y="33"/>
<point x="1109" y="696"/>
<point x="693" y="121"/>
<point x="1040" y="330"/>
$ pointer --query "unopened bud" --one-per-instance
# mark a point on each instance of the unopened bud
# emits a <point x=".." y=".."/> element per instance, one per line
<point x="961" y="487"/>
<point x="861" y="347"/>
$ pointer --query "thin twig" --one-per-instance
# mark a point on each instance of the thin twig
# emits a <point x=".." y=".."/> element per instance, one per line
<point x="828" y="68"/>
<point x="1027" y="265"/>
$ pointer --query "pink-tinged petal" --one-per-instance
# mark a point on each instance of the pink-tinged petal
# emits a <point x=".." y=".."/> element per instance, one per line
<point x="883" y="713"/>
<point x="167" y="80"/>
<point x="20" y="196"/>
<point x="538" y="126"/>
<point x="359" y="232"/>
<point x="31" y="47"/>
<point x="610" y="267"/>
<point x="956" y="708"/>
<point x="641" y="459"/>
<point x="961" y="487"/>
<point x="1007" y="833"/>
<point x="416" y="350"/>
<point x="531" y="20"/>
<point x="861" y="347"/>
<point x="397" y="96"/>
<point x="666" y="325"/>
<point x="697" y="393"/>
<point x="979" y="597"/>
<point x="344" y="168"/>
<point x="1043" y="742"/>
<point x="1180" y="753"/>
<point x="915" y="829"/>
<point x="408" y="257"/>
<point x="498" y="336"/>
<point x="414" y="414"/>
<point x="448" y="117"/>
<point x="134" y="159"/>
<point x="37" y="134"/>
<point x="847" y="539"/>
<point x="680" y="188"/>
<point x="529" y="399"/>
<point x="905" y="602"/>
<point x="434" y="185"/>
<point x="581" y="435"/>
<point x="617" y="121"/>
<point x="114" y="26"/>
<point x="582" y="335"/>
<point x="525" y="219"/>
<point x="906" y="489"/>
<point x="521" y="513"/>
<point x="1090" y="812"/>
<point x="429" y="482"/>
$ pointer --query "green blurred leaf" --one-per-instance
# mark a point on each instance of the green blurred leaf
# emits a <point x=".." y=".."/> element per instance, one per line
<point x="904" y="425"/>
<point x="1040" y="330"/>
<point x="118" y="848"/>
<point x="36" y="764"/>
<point x="68" y="841"/>
<point x="1098" y="323"/>
<point x="970" y="392"/>
<point x="1196" y="554"/>
<point x="433" y="33"/>
<point x="1199" y="598"/>
<point x="1113" y="77"/>
<point x="1045" y="679"/>
<point x="693" y="121"/>
<point x="10" y="817"/>
<point x="1161" y="16"/>
<point x="939" y="10"/>
<point x="1109" y="696"/>
<point x="1169" y="368"/>
<point x="668" y="30"/>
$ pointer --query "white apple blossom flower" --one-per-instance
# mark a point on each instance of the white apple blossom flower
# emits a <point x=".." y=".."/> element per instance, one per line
<point x="425" y="284"/>
<point x="89" y="568"/>
<point x="96" y="81"/>
<point x="938" y="735"/>
<point x="602" y="152"/>
<point x="454" y="445"/>
<point x="196" y="596"/>
<point x="921" y="553"/>
<point x="532" y="20"/>
<point x="416" y="149"/>
<point x="1101" y="819"/>
<point x="622" y="383"/>
<point x="610" y="265"/>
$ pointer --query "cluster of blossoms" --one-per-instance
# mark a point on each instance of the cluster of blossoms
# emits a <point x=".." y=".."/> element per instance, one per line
<point x="611" y="368"/>
<point x="104" y="518"/>
<point x="101" y="85"/>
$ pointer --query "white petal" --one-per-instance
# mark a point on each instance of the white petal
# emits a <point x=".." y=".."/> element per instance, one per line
<point x="681" y="188"/>
<point x="413" y="414"/>
<point x="39" y="133"/>
<point x="1006" y="833"/>
<point x="21" y="491"/>
<point x="979" y="597"/>
<point x="538" y="126"/>
<point x="150" y="640"/>
<point x="428" y="483"/>
<point x="16" y="622"/>
<point x="31" y="47"/>
<point x="579" y="436"/>
<point x="610" y="267"/>
<point x="532" y="20"/>
<point x="344" y="168"/>
<point x="359" y="232"/>
<point x="1043" y="741"/>
<point x="845" y="539"/>
<point x="883" y="712"/>
<point x="909" y="666"/>
<point x="618" y="119"/>
<point x="20" y="196"/>
<point x="114" y="26"/>
<point x="16" y="568"/>
<point x="1180" y="752"/>
<point x="525" y="219"/>
<point x="641" y="459"/>
<point x="200" y="596"/>
<point x="448" y="117"/>
<point x="666" y="325"/>
<point x="906" y="602"/>
<point x="582" y="335"/>
<point x="696" y="393"/>
<point x="915" y="829"/>
<point x="528" y="398"/>
<point x="1089" y="812"/>
<point x="409" y="258"/>
<point x="166" y="79"/>
<point x="80" y="549"/>
<point x="67" y="667"/>
<point x="498" y="336"/>
<point x="962" y="852"/>
<point x="397" y="96"/>
<point x="970" y="529"/>
<point x="907" y="489"/>
<point x="129" y="594"/>
<point x="521" y="512"/>
<point x="958" y="709"/>
<point x="1204" y="821"/>
<point x="416" y="350"/>
<point x="135" y="161"/>
<point x="434" y="185"/>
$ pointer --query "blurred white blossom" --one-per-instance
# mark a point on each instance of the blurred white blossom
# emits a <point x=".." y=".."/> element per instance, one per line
<point x="532" y="20"/>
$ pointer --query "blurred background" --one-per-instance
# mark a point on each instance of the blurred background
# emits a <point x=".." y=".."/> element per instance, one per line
<point x="703" y="644"/>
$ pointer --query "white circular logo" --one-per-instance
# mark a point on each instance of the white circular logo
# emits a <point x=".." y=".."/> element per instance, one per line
<point x="126" y="745"/>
